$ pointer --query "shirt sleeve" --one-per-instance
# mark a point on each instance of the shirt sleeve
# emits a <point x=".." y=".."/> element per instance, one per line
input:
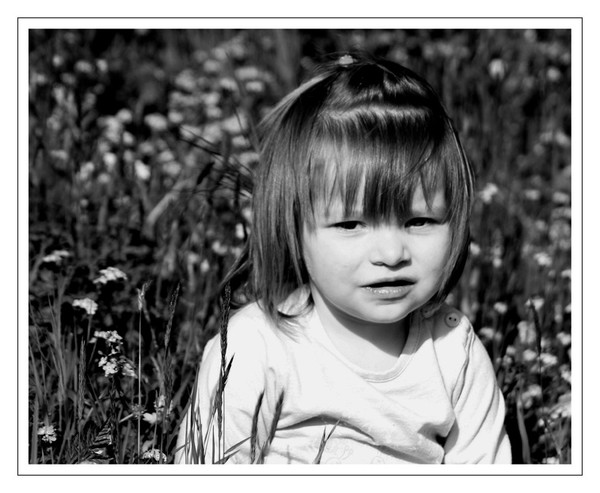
<point x="199" y="439"/>
<point x="478" y="434"/>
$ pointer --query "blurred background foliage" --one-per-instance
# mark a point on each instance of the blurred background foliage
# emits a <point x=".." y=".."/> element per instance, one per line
<point x="142" y="145"/>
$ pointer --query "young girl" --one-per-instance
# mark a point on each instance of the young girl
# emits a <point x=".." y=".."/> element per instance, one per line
<point x="348" y="353"/>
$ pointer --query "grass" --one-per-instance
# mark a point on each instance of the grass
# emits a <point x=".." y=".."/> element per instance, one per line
<point x="141" y="153"/>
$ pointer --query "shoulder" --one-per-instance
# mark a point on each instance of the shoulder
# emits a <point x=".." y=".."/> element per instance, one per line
<point x="450" y="326"/>
<point x="249" y="337"/>
<point x="452" y="337"/>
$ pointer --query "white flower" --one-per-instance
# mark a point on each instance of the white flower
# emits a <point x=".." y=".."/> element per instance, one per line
<point x="548" y="360"/>
<point x="142" y="171"/>
<point x="110" y="274"/>
<point x="48" y="433"/>
<point x="84" y="67"/>
<point x="529" y="355"/>
<point x="110" y="161"/>
<point x="486" y="333"/>
<point x="85" y="171"/>
<point x="543" y="259"/>
<point x="527" y="332"/>
<point x="204" y="266"/>
<point x="488" y="192"/>
<point x="497" y="69"/>
<point x="535" y="302"/>
<point x="110" y="336"/>
<point x="156" y="122"/>
<point x="564" y="338"/>
<point x="474" y="249"/>
<point x="155" y="455"/>
<point x="109" y="366"/>
<point x="124" y="115"/>
<point x="532" y="194"/>
<point x="89" y="305"/>
<point x="56" y="257"/>
<point x="500" y="307"/>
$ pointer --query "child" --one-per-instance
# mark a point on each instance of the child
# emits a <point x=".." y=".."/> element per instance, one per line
<point x="360" y="230"/>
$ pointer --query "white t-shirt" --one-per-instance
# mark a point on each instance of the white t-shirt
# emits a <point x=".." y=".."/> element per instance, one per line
<point x="439" y="403"/>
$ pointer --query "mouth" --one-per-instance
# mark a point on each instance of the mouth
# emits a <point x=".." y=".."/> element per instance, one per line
<point x="390" y="288"/>
<point x="390" y="283"/>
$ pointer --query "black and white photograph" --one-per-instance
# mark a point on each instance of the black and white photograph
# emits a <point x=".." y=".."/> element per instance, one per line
<point x="309" y="248"/>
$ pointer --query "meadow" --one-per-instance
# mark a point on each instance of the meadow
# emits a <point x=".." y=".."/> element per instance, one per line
<point x="141" y="150"/>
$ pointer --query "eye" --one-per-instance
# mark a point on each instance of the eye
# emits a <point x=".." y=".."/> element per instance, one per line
<point x="419" y="222"/>
<point x="348" y="225"/>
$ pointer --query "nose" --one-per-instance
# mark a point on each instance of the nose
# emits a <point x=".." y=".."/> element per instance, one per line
<point x="389" y="246"/>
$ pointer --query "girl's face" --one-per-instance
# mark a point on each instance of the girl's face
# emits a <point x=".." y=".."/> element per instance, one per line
<point x="367" y="274"/>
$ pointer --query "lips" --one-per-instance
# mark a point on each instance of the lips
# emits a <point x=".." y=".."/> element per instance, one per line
<point x="390" y="283"/>
<point x="390" y="289"/>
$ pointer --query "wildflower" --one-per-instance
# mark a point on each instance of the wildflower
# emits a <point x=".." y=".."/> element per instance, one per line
<point x="553" y="74"/>
<point x="497" y="69"/>
<point x="175" y="117"/>
<point x="86" y="171"/>
<point x="150" y="418"/>
<point x="56" y="257"/>
<point x="565" y="373"/>
<point x="110" y="274"/>
<point x="89" y="305"/>
<point x="532" y="194"/>
<point x="548" y="360"/>
<point x="154" y="454"/>
<point x="211" y="98"/>
<point x="124" y="115"/>
<point x="535" y="302"/>
<point x="84" y="67"/>
<point x="110" y="161"/>
<point x="532" y="393"/>
<point x="248" y="73"/>
<point x="110" y="336"/>
<point x="488" y="193"/>
<point x="156" y="122"/>
<point x="527" y="333"/>
<point x="128" y="139"/>
<point x="235" y="124"/>
<point x="255" y="87"/>
<point x="219" y="248"/>
<point x="47" y="433"/>
<point x="212" y="66"/>
<point x="529" y="355"/>
<point x="561" y="198"/>
<point x="563" y="338"/>
<point x="142" y="171"/>
<point x="172" y="169"/>
<point x="228" y="84"/>
<point x="543" y="259"/>
<point x="474" y="249"/>
<point x="550" y="460"/>
<point x="204" y="266"/>
<point x="240" y="232"/>
<point x="486" y="333"/>
<point x="102" y="65"/>
<point x="562" y="409"/>
<point x="500" y="307"/>
<point x="109" y="365"/>
<point x="128" y="370"/>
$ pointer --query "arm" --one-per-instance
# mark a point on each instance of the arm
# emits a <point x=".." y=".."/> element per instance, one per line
<point x="478" y="434"/>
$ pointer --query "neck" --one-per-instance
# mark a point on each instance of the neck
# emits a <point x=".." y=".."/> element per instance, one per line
<point x="371" y="346"/>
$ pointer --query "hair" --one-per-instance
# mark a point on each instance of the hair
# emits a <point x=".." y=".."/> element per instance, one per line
<point x="359" y="126"/>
